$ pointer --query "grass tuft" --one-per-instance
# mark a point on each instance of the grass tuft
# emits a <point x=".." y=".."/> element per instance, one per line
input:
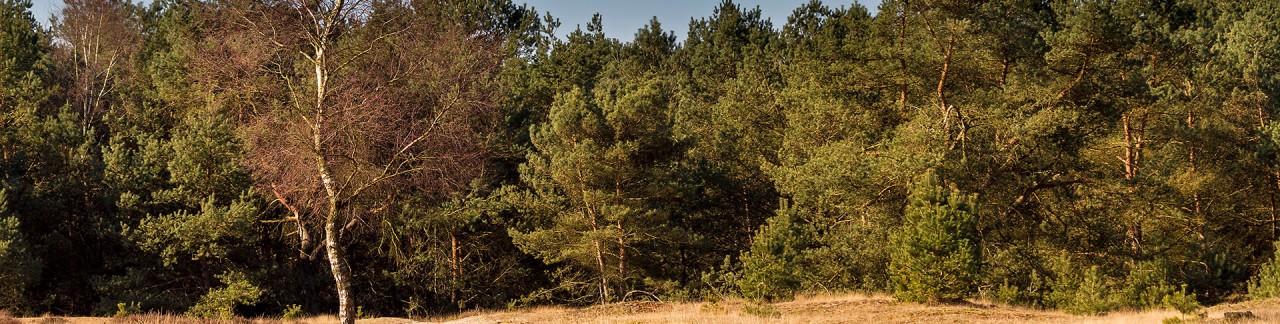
<point x="7" y="318"/>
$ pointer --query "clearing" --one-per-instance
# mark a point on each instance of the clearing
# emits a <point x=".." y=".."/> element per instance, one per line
<point x="845" y="309"/>
<point x="821" y="309"/>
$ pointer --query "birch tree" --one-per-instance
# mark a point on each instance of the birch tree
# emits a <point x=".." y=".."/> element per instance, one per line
<point x="355" y="102"/>
<point x="96" y="42"/>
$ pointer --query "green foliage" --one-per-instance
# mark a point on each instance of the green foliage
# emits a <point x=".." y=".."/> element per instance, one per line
<point x="1012" y="276"/>
<point x="596" y="180"/>
<point x="836" y="177"/>
<point x="1127" y="154"/>
<point x="454" y="254"/>
<point x="935" y="256"/>
<point x="1088" y="290"/>
<point x="1080" y="291"/>
<point x="212" y="234"/>
<point x="721" y="282"/>
<point x="1010" y="294"/>
<point x="127" y="309"/>
<point x="292" y="312"/>
<point x="1181" y="300"/>
<point x="18" y="268"/>
<point x="1147" y="286"/>
<point x="1266" y="284"/>
<point x="187" y="212"/>
<point x="24" y="47"/>
<point x="776" y="266"/>
<point x="204" y="161"/>
<point x="221" y="302"/>
<point x="725" y="114"/>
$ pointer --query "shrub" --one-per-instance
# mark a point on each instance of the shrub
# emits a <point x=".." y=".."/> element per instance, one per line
<point x="1089" y="291"/>
<point x="1266" y="284"/>
<point x="127" y="309"/>
<point x="1013" y="276"/>
<point x="1080" y="291"/>
<point x="18" y="267"/>
<point x="1011" y="294"/>
<point x="850" y="256"/>
<point x="1182" y="301"/>
<point x="221" y="302"/>
<point x="1148" y="286"/>
<point x="774" y="266"/>
<point x="721" y="282"/>
<point x="935" y="256"/>
<point x="292" y="312"/>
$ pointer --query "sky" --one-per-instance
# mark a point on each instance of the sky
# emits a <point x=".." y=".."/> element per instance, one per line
<point x="622" y="18"/>
<point x="43" y="9"/>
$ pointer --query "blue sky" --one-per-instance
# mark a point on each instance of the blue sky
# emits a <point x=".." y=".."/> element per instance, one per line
<point x="621" y="17"/>
<point x="43" y="9"/>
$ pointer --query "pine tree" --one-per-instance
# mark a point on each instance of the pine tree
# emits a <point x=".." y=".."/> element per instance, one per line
<point x="935" y="253"/>
<point x="597" y="181"/>
<point x="724" y="107"/>
<point x="18" y="266"/>
<point x="777" y="266"/>
<point x="1266" y="284"/>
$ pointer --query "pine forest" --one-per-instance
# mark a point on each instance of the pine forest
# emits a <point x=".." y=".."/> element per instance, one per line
<point x="242" y="158"/>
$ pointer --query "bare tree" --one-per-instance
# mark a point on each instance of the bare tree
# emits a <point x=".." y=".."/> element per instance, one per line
<point x="96" y="41"/>
<point x="368" y="100"/>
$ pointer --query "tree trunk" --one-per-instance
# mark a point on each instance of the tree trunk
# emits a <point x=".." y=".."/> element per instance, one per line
<point x="902" y="62"/>
<point x="592" y="216"/>
<point x="1275" y="183"/>
<point x="1130" y="170"/>
<point x="1084" y="66"/>
<point x="1274" y="178"/>
<point x="942" y="77"/>
<point x="456" y="265"/>
<point x="622" y="243"/>
<point x="341" y="271"/>
<point x="604" y="280"/>
<point x="1004" y="69"/>
<point x="622" y="253"/>
<point x="1191" y="158"/>
<point x="333" y="247"/>
<point x="332" y="229"/>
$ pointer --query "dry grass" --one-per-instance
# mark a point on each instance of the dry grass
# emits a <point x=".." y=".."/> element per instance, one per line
<point x="7" y="318"/>
<point x="155" y="318"/>
<point x="805" y="309"/>
<point x="1264" y="311"/>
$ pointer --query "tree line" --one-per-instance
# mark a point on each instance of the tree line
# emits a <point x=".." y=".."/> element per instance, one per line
<point x="405" y="158"/>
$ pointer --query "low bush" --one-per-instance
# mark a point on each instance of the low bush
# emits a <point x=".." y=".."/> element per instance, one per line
<point x="221" y="302"/>
<point x="1266" y="284"/>
<point x="1088" y="290"/>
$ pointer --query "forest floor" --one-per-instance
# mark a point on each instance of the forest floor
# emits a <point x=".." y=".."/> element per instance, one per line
<point x="822" y="309"/>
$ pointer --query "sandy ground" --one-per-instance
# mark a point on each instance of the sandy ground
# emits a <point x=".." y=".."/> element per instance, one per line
<point x="846" y="309"/>
<point x="828" y="309"/>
